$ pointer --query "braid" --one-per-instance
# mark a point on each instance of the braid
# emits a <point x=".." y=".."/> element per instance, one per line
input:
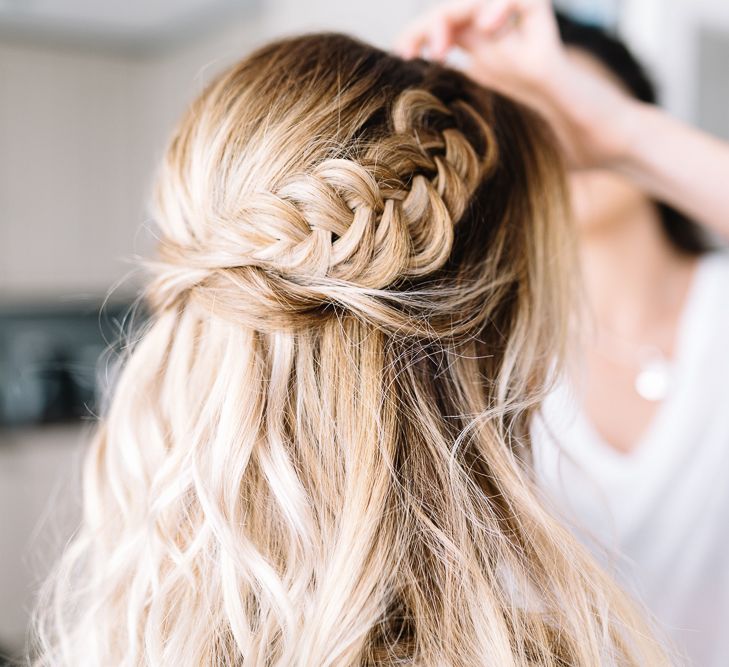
<point x="363" y="222"/>
<point x="317" y="452"/>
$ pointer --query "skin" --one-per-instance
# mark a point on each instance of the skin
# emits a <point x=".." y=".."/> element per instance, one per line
<point x="622" y="154"/>
<point x="599" y="125"/>
<point x="636" y="285"/>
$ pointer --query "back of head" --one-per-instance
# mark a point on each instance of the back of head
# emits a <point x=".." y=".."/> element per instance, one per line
<point x="315" y="455"/>
<point x="320" y="171"/>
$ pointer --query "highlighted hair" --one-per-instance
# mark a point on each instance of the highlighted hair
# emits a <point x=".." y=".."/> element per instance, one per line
<point x="318" y="452"/>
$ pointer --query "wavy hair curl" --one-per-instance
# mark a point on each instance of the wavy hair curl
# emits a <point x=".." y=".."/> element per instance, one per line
<point x="318" y="452"/>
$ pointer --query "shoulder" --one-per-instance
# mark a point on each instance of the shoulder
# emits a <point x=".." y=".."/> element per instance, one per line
<point x="716" y="264"/>
<point x="713" y="280"/>
<point x="708" y="310"/>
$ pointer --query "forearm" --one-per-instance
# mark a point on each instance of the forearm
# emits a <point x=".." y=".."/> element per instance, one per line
<point x="668" y="159"/>
<point x="677" y="164"/>
<point x="598" y="124"/>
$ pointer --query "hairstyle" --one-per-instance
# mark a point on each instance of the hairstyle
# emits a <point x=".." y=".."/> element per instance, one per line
<point x="317" y="452"/>
<point x="684" y="234"/>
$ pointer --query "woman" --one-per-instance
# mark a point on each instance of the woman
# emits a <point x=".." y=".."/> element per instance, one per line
<point x="639" y="466"/>
<point x="317" y="452"/>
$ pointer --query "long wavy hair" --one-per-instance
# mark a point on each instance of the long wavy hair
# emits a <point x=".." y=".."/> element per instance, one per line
<point x="317" y="452"/>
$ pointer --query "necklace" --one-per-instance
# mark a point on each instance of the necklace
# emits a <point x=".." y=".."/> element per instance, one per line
<point x="654" y="370"/>
<point x="653" y="379"/>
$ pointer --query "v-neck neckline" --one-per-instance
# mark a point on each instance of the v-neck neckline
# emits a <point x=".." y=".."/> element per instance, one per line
<point x="668" y="414"/>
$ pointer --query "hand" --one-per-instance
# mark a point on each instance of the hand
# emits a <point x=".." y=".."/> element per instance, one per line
<point x="513" y="47"/>
<point x="514" y="37"/>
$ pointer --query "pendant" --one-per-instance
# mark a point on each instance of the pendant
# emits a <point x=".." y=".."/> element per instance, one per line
<point x="653" y="380"/>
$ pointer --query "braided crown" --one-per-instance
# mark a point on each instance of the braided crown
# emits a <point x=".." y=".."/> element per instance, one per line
<point x="367" y="222"/>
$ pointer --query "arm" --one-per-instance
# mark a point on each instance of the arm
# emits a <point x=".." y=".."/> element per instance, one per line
<point x="514" y="48"/>
<point x="679" y="165"/>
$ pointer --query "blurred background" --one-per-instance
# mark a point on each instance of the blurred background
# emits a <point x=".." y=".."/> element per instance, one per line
<point x="88" y="94"/>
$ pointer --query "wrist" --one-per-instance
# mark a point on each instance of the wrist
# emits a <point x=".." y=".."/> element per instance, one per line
<point x="626" y="131"/>
<point x="630" y="129"/>
<point x="604" y="122"/>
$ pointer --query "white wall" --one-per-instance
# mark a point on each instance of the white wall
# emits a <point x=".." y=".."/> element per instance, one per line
<point x="665" y="34"/>
<point x="80" y="135"/>
<point x="65" y="197"/>
<point x="39" y="488"/>
<point x="377" y="21"/>
<point x="81" y="132"/>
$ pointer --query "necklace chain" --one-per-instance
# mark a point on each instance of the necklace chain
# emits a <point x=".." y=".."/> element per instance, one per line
<point x="654" y="371"/>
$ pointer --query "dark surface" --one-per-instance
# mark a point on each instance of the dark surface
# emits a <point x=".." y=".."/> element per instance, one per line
<point x="54" y="360"/>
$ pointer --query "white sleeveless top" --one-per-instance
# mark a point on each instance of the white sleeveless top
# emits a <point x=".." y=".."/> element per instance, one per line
<point x="660" y="514"/>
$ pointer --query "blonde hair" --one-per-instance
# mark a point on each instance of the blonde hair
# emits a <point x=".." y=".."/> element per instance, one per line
<point x="317" y="453"/>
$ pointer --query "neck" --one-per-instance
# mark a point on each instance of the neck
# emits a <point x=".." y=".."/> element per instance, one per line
<point x="635" y="280"/>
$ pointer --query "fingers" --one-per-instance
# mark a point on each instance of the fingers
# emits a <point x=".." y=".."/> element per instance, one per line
<point x="436" y="30"/>
<point x="409" y="45"/>
<point x="441" y="39"/>
<point x="431" y="35"/>
<point x="498" y="16"/>
<point x="494" y="16"/>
